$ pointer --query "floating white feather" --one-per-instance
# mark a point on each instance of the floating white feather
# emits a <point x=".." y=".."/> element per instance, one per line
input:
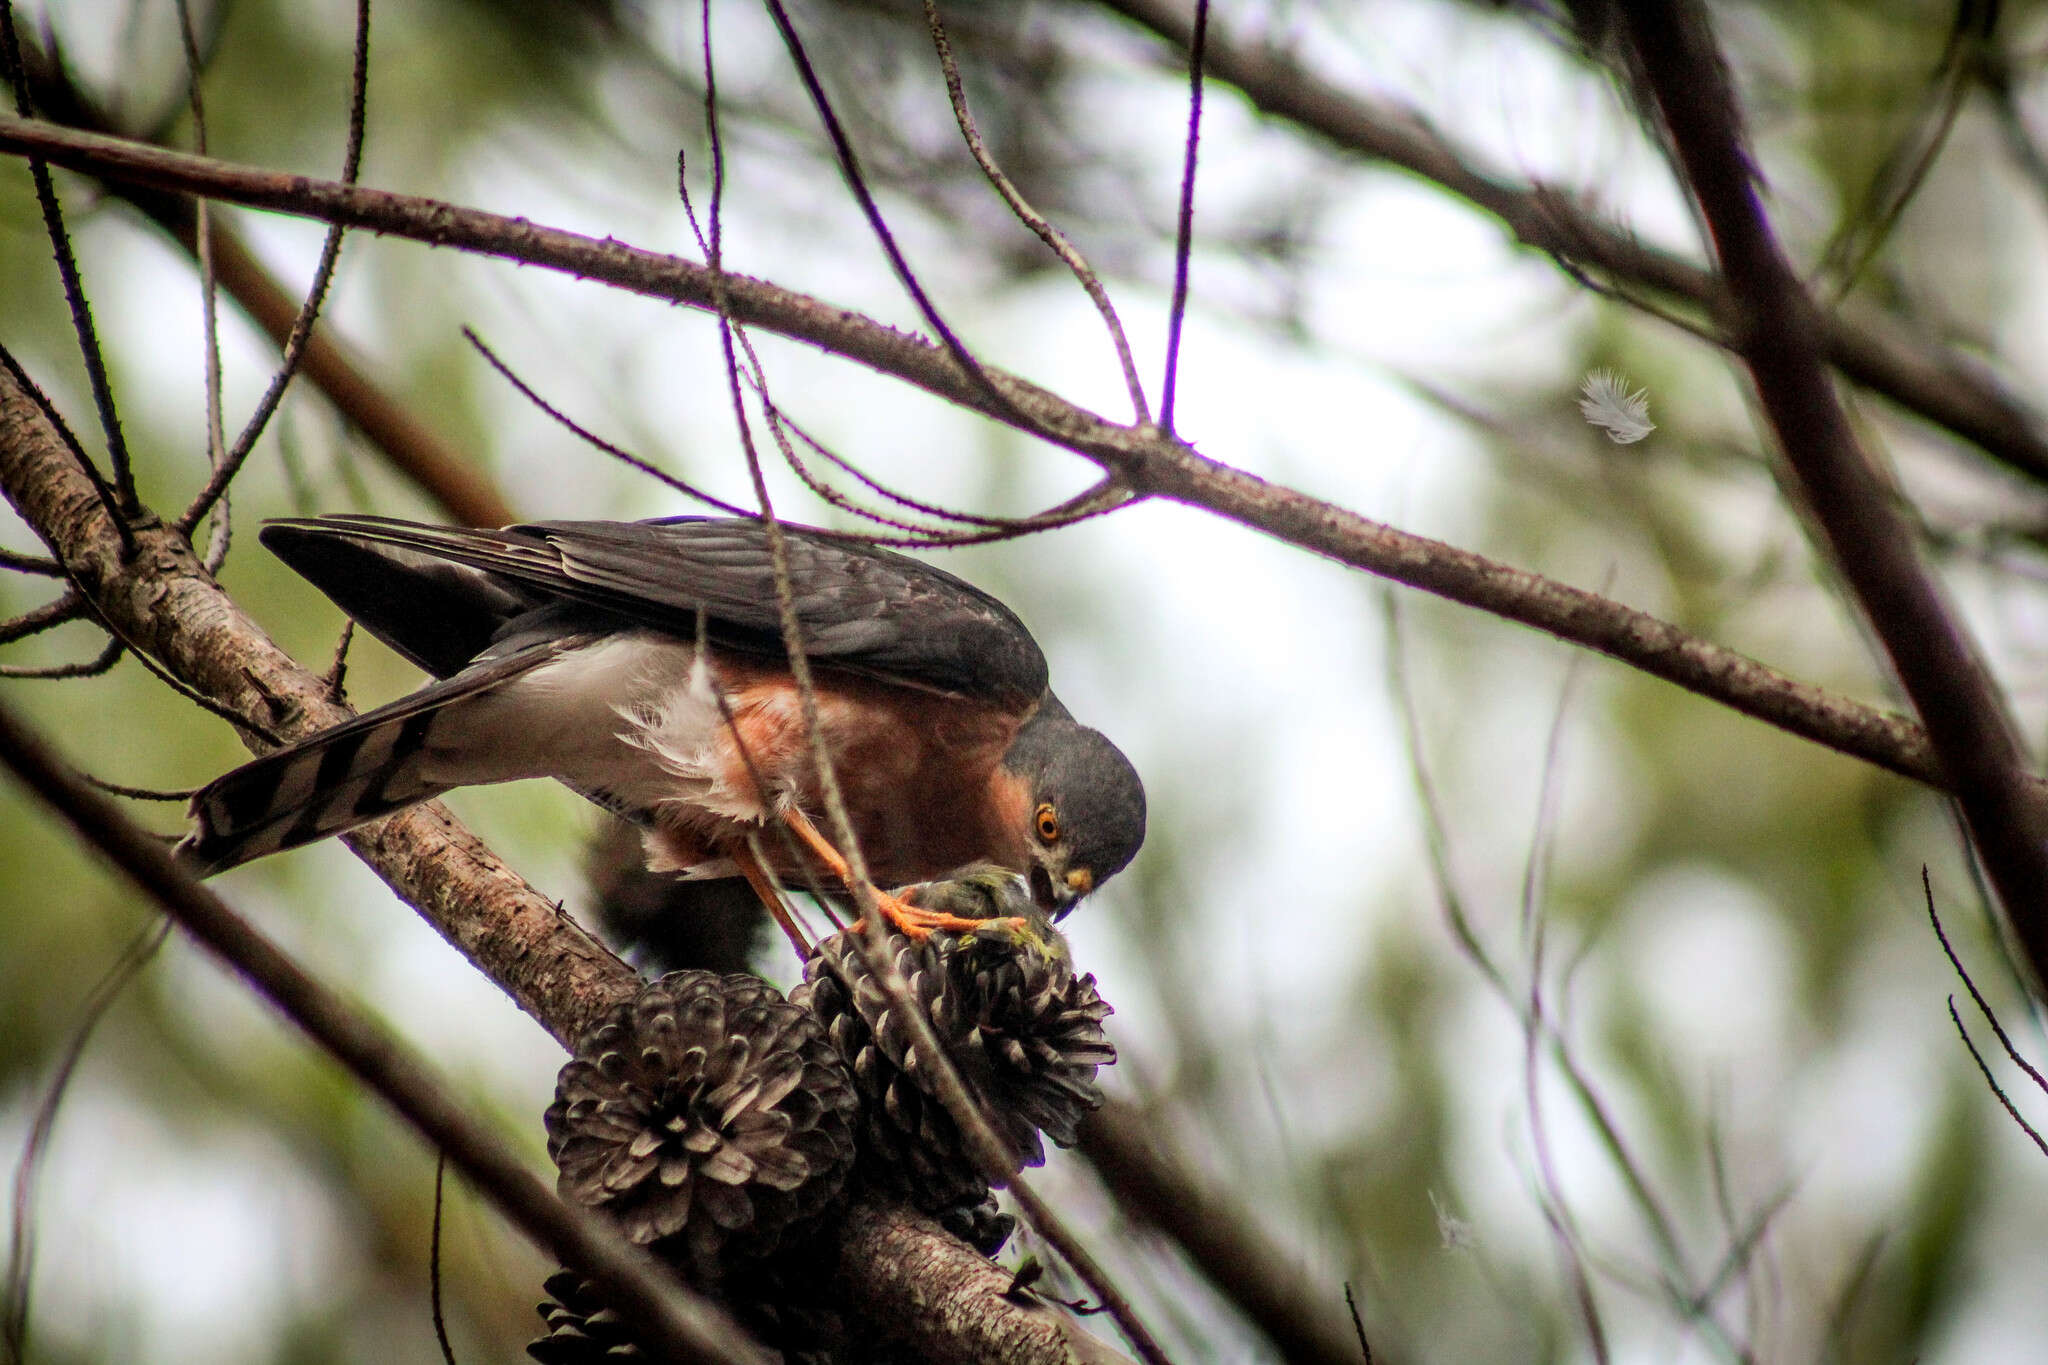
<point x="1609" y="405"/>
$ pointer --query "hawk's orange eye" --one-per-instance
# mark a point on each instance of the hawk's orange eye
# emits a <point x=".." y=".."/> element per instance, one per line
<point x="1048" y="824"/>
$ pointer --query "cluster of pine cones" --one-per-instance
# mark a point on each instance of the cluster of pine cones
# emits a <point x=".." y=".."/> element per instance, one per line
<point x="725" y="1127"/>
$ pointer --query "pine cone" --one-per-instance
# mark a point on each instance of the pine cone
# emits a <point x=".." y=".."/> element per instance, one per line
<point x="709" y="1116"/>
<point x="1025" y="1032"/>
<point x="581" y="1330"/>
<point x="776" y="1302"/>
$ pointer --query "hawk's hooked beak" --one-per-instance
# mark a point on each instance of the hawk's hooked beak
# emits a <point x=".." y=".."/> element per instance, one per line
<point x="1057" y="896"/>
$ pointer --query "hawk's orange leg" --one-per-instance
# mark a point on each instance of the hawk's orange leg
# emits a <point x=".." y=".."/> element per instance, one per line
<point x="914" y="922"/>
<point x="771" y="898"/>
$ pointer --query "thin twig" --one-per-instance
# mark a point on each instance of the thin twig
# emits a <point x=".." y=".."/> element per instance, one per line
<point x="1741" y="1251"/>
<point x="302" y="328"/>
<point x="1994" y="72"/>
<point x="121" y="498"/>
<point x="1969" y="983"/>
<point x="1056" y="241"/>
<point x="1899" y="177"/>
<point x="109" y="655"/>
<point x="1103" y="497"/>
<point x="463" y="491"/>
<point x="1357" y="1323"/>
<point x="1155" y="1186"/>
<point x="856" y="183"/>
<point x="336" y="676"/>
<point x="14" y="1301"/>
<point x="1659" y="1221"/>
<point x="140" y="793"/>
<point x="216" y="437"/>
<point x="13" y="561"/>
<point x="434" y="1263"/>
<point x="1992" y="1081"/>
<point x="56" y="612"/>
<point x="1557" y="1213"/>
<point x="591" y="438"/>
<point x="1184" y="220"/>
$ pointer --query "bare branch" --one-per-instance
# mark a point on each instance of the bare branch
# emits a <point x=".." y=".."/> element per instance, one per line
<point x="1984" y="1068"/>
<point x="1056" y="241"/>
<point x="230" y="464"/>
<point x="56" y="612"/>
<point x="440" y="471"/>
<point x="109" y="655"/>
<point x="591" y="438"/>
<point x="1143" y="461"/>
<point x="1155" y="1187"/>
<point x="1778" y="334"/>
<point x="1970" y="983"/>
<point x="12" y="562"/>
<point x="209" y="304"/>
<point x="644" y="1291"/>
<point x="14" y="1294"/>
<point x="1184" y="219"/>
<point x="856" y="184"/>
<point x="1879" y="352"/>
<point x="121" y="498"/>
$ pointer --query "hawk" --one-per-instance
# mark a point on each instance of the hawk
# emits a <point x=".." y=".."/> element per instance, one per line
<point x="643" y="665"/>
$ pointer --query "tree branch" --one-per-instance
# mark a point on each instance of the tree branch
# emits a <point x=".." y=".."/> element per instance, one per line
<point x="1143" y="460"/>
<point x="1877" y="352"/>
<point x="646" y="1292"/>
<point x="163" y="601"/>
<point x="1220" y="1239"/>
<point x="1778" y="333"/>
<point x="439" y="470"/>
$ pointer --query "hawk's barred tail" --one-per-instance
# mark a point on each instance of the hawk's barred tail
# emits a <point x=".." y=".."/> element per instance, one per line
<point x="323" y="785"/>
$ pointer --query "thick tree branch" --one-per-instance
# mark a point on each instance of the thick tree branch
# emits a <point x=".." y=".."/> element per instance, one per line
<point x="1305" y="1323"/>
<point x="1878" y="352"/>
<point x="1777" y="331"/>
<point x="640" y="1287"/>
<point x="897" y="1256"/>
<point x="164" y="604"/>
<point x="1142" y="459"/>
<point x="162" y="601"/>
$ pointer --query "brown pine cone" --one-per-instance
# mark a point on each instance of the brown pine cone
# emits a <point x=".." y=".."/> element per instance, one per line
<point x="1024" y="1031"/>
<point x="709" y="1116"/>
<point x="581" y="1330"/>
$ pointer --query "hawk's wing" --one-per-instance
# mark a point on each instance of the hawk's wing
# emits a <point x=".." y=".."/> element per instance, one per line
<point x="434" y="592"/>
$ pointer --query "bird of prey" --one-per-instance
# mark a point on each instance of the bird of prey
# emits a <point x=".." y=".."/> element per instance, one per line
<point x="643" y="664"/>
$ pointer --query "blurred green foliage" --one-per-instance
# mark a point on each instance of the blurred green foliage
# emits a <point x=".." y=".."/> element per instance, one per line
<point x="1734" y="957"/>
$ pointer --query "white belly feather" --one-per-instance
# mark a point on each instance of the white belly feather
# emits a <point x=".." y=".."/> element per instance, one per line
<point x="630" y="720"/>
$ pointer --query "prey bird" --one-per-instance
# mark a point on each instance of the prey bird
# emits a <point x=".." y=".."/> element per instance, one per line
<point x="643" y="664"/>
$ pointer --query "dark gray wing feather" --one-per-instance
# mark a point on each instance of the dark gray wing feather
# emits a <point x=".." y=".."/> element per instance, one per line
<point x="438" y="613"/>
<point x="862" y="609"/>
